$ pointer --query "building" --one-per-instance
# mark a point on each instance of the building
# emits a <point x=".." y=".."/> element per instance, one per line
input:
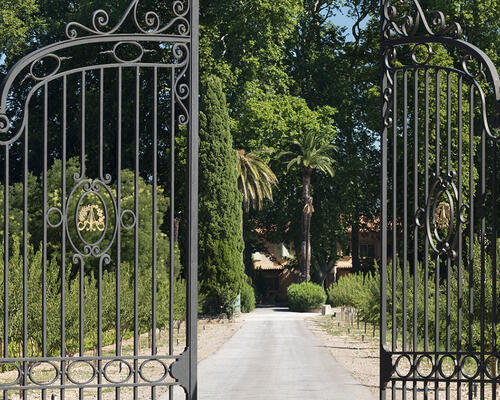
<point x="273" y="269"/>
<point x="369" y="250"/>
<point x="273" y="274"/>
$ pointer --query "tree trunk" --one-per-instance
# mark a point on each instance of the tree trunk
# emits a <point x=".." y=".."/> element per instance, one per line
<point x="356" y="263"/>
<point x="307" y="210"/>
<point x="177" y="222"/>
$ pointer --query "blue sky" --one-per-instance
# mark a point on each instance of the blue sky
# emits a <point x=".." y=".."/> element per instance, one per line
<point x="342" y="20"/>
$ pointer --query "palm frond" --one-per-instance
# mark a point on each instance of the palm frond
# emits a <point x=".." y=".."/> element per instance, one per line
<point x="255" y="178"/>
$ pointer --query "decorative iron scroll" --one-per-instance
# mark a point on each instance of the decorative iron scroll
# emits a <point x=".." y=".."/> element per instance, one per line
<point x="49" y="65"/>
<point x="441" y="216"/>
<point x="415" y="53"/>
<point x="152" y="21"/>
<point x="82" y="371"/>
<point x="445" y="367"/>
<point x="439" y="268"/>
<point x="397" y="23"/>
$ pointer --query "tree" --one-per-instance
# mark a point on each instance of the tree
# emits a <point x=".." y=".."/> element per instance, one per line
<point x="221" y="243"/>
<point x="17" y="19"/>
<point x="255" y="179"/>
<point x="311" y="151"/>
<point x="244" y="42"/>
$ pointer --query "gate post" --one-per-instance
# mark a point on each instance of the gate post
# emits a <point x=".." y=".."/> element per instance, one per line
<point x="383" y="215"/>
<point x="193" y="205"/>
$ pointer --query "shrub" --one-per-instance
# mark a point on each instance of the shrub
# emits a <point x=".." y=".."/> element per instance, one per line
<point x="247" y="298"/>
<point x="220" y="301"/>
<point x="305" y="296"/>
<point x="346" y="291"/>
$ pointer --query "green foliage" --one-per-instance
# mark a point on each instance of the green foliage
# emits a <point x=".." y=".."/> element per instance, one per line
<point x="272" y="120"/>
<point x="222" y="279"/>
<point x="346" y="290"/>
<point x="305" y="296"/>
<point x="255" y="179"/>
<point x="247" y="298"/>
<point x="221" y="245"/>
<point x="17" y="19"/>
<point x="363" y="293"/>
<point x="245" y="42"/>
<point x="312" y="150"/>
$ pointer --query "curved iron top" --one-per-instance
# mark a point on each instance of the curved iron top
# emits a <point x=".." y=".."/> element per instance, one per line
<point x="399" y="29"/>
<point x="177" y="31"/>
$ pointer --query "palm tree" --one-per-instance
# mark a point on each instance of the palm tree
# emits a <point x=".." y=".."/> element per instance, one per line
<point x="311" y="151"/>
<point x="255" y="179"/>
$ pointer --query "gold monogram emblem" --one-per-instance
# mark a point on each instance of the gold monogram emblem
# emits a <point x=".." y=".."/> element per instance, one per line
<point x="442" y="215"/>
<point x="90" y="219"/>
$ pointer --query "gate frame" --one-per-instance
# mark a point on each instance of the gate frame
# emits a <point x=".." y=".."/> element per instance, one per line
<point x="184" y="367"/>
<point x="407" y="33"/>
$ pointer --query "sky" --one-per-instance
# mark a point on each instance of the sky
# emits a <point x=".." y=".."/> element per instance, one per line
<point x="341" y="19"/>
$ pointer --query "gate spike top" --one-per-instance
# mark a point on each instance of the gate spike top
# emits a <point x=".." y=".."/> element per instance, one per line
<point x="152" y="21"/>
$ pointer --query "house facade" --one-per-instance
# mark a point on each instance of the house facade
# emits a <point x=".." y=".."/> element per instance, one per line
<point x="369" y="250"/>
<point x="273" y="274"/>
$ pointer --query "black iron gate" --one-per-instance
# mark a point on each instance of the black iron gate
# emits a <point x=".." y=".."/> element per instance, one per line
<point x="439" y="277"/>
<point x="98" y="140"/>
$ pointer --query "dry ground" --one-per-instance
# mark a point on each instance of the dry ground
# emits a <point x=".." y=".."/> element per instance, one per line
<point x="356" y="348"/>
<point x="212" y="334"/>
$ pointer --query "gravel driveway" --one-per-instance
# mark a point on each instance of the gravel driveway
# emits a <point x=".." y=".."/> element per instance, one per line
<point x="275" y="357"/>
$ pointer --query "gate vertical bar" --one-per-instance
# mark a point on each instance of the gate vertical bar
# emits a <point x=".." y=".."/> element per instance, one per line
<point x="155" y="217"/>
<point x="44" y="223"/>
<point x="494" y="272"/>
<point x="118" y="345"/>
<point x="192" y="305"/>
<point x="137" y="338"/>
<point x="460" y="234"/>
<point x="470" y="260"/>
<point x="415" y="229"/>
<point x="25" y="262"/>
<point x="172" y="230"/>
<point x="63" y="232"/>
<point x="6" y="262"/>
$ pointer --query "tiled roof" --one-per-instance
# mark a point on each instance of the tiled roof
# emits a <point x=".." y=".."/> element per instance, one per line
<point x="263" y="262"/>
<point x="344" y="263"/>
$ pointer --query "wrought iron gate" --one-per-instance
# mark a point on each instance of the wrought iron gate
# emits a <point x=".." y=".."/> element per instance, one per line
<point x="98" y="143"/>
<point x="439" y="277"/>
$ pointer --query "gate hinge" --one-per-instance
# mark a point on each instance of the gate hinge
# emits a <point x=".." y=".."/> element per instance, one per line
<point x="386" y="367"/>
<point x="180" y="369"/>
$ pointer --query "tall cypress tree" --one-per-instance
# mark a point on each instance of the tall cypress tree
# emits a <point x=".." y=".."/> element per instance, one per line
<point x="221" y="244"/>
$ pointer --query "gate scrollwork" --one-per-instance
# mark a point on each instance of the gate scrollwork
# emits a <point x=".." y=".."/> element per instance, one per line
<point x="440" y="98"/>
<point x="88" y="134"/>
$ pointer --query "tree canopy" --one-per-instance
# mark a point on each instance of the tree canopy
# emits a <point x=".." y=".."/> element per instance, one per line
<point x="285" y="67"/>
